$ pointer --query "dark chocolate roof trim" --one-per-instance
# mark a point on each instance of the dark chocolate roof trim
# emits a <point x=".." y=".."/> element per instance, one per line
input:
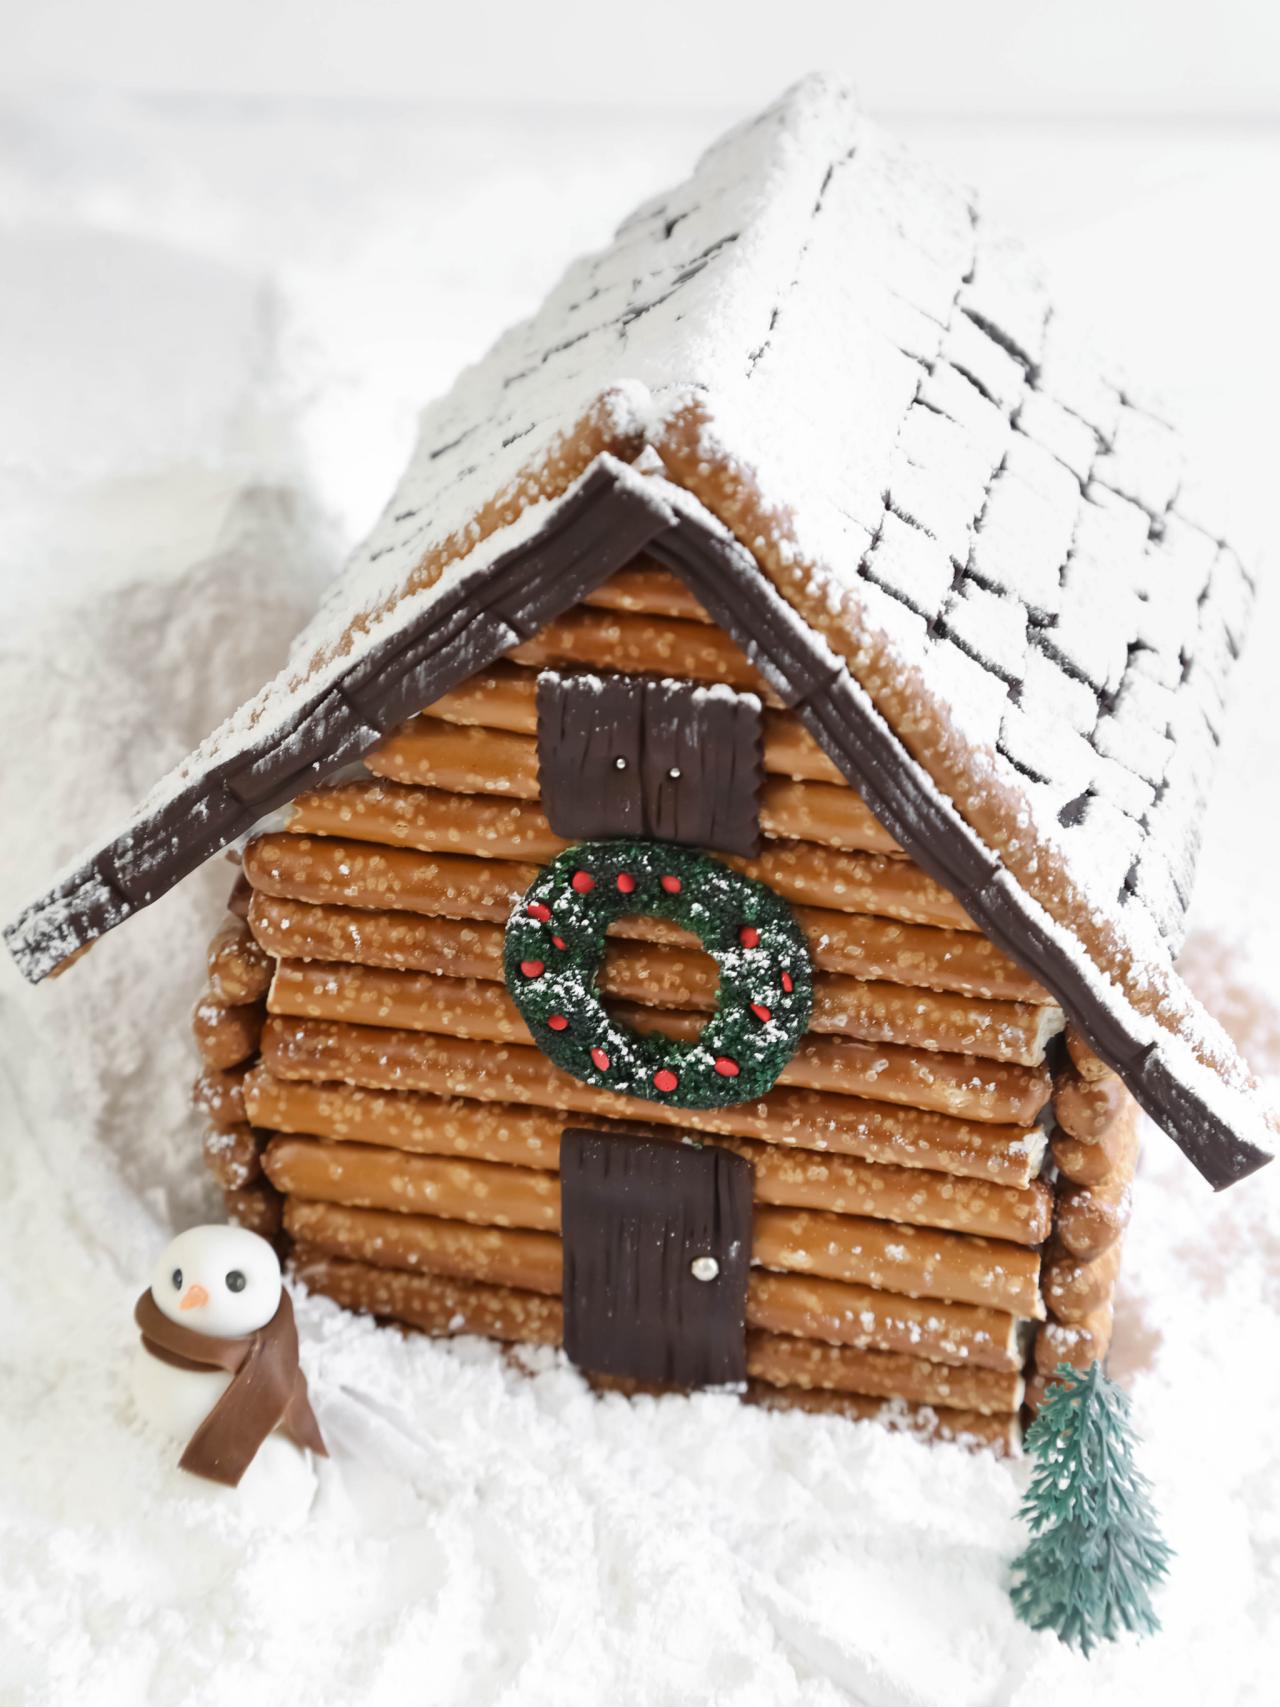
<point x="605" y="521"/>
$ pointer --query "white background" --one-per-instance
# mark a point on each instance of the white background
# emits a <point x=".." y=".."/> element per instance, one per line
<point x="1029" y="58"/>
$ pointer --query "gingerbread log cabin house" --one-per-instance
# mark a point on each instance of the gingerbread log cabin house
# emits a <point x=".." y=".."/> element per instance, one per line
<point x="712" y="869"/>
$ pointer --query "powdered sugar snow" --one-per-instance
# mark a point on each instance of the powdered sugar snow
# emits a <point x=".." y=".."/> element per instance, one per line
<point x="485" y="1529"/>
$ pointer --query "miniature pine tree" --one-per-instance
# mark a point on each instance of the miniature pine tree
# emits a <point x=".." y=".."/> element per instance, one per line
<point x="1096" y="1550"/>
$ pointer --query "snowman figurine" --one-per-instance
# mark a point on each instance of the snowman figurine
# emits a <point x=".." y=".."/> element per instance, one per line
<point x="218" y="1367"/>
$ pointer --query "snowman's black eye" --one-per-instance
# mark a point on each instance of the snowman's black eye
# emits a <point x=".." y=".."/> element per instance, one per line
<point x="176" y="1278"/>
<point x="235" y="1281"/>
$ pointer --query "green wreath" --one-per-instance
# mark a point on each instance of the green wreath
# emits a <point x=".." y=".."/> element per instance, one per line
<point x="555" y="944"/>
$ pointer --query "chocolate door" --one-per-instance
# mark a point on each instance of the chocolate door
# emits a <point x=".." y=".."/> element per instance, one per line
<point x="657" y="1244"/>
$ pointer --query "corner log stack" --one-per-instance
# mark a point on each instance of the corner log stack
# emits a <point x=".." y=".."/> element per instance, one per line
<point x="373" y="1097"/>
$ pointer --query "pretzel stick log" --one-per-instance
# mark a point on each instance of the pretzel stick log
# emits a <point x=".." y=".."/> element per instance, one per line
<point x="1073" y="1290"/>
<point x="805" y="1179"/>
<point x="649" y="589"/>
<point x="369" y="1178"/>
<point x="1089" y="1112"/>
<point x="257" y="1207"/>
<point x="220" y="1096"/>
<point x="1090" y="1218"/>
<point x="1095" y="1161"/>
<point x="617" y="640"/>
<point x="390" y="816"/>
<point x="926" y="1422"/>
<point x="446" y="1066"/>
<point x="431" y="753"/>
<point x="530" y="1137"/>
<point x="422" y="1244"/>
<point x="837" y="882"/>
<point x="664" y="975"/>
<point x="506" y="698"/>
<point x="960" y="1085"/>
<point x="781" y="1303"/>
<point x="239" y="970"/>
<point x="1086" y="1063"/>
<point x="1077" y="1343"/>
<point x="787" y="1362"/>
<point x="303" y="868"/>
<point x="869" y="1320"/>
<point x="854" y="945"/>
<point x="435" y="1305"/>
<point x="443" y="1307"/>
<point x="427" y="820"/>
<point x="233" y="1155"/>
<point x="226" y="1036"/>
<point x="408" y="1120"/>
<point x="458" y="1007"/>
<point x="915" y="1262"/>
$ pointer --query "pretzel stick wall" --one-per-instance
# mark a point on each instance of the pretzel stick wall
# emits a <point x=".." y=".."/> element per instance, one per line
<point x="781" y="1303"/>
<point x="911" y="1261"/>
<point x="530" y="1137"/>
<point x="665" y="975"/>
<point x="846" y="944"/>
<point x="450" y="1307"/>
<point x="467" y="1007"/>
<point x="392" y="815"/>
<point x="445" y="1066"/>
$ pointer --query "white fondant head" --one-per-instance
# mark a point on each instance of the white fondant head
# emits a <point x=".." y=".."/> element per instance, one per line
<point x="218" y="1280"/>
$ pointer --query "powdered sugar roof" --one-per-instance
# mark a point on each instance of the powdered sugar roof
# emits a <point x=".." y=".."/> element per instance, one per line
<point x="943" y="468"/>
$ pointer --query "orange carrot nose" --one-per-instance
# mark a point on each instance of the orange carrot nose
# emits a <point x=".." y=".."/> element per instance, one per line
<point x="193" y="1297"/>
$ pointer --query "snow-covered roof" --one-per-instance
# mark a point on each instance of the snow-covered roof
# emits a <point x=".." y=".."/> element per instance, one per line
<point x="829" y="351"/>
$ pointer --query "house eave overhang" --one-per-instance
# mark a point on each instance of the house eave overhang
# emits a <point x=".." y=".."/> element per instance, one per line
<point x="610" y="514"/>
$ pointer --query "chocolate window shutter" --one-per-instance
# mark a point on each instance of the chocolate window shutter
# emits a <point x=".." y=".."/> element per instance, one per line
<point x="646" y="756"/>
<point x="657" y="1245"/>
<point x="589" y="753"/>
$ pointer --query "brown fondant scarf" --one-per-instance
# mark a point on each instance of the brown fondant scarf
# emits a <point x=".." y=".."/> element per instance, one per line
<point x="268" y="1389"/>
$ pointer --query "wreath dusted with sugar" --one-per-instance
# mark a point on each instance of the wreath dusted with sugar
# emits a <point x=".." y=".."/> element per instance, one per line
<point x="555" y="945"/>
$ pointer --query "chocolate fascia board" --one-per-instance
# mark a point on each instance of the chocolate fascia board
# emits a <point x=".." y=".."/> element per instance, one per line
<point x="604" y="521"/>
<point x="819" y="688"/>
<point x="610" y="517"/>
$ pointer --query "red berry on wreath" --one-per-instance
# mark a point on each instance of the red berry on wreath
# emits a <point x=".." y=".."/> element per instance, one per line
<point x="583" y="882"/>
<point x="665" y="1079"/>
<point x="558" y="1022"/>
<point x="727" y="1068"/>
<point x="537" y="910"/>
<point x="787" y="983"/>
<point x="672" y="885"/>
<point x="532" y="968"/>
<point x="749" y="936"/>
<point x="626" y="883"/>
<point x="600" y="1060"/>
<point x="557" y="942"/>
<point x="762" y="1013"/>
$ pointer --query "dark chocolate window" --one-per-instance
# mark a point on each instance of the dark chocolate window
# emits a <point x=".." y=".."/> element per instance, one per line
<point x="650" y="757"/>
